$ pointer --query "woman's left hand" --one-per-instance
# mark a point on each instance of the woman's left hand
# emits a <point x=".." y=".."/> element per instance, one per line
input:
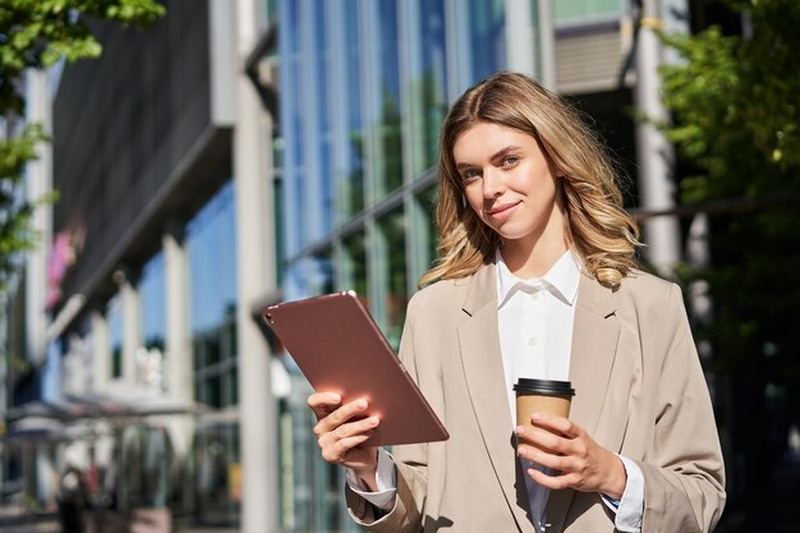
<point x="582" y="464"/>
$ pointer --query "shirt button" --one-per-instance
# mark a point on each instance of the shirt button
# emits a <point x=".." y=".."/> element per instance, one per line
<point x="532" y="342"/>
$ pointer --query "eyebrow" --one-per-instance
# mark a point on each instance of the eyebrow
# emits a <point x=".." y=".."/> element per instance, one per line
<point x="497" y="155"/>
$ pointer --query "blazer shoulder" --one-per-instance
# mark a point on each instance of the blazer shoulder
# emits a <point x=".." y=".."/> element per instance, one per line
<point x="644" y="293"/>
<point x="640" y="284"/>
<point x="442" y="292"/>
<point x="447" y="294"/>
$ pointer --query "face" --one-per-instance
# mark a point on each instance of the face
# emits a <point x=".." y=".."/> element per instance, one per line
<point x="510" y="184"/>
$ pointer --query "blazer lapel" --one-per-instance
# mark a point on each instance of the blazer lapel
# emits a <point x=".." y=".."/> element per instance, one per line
<point x="483" y="370"/>
<point x="594" y="343"/>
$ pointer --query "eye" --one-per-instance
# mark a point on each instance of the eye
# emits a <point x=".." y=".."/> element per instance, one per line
<point x="509" y="161"/>
<point x="470" y="174"/>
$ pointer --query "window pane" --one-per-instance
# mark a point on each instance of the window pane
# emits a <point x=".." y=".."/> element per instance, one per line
<point x="321" y="125"/>
<point x="354" y="272"/>
<point x="114" y="314"/>
<point x="582" y="10"/>
<point x="430" y="82"/>
<point x="152" y="309"/>
<point x="487" y="32"/>
<point x="389" y="140"/>
<point x="234" y="387"/>
<point x="353" y="134"/>
<point x="211" y="244"/>
<point x="393" y="234"/>
<point x="427" y="233"/>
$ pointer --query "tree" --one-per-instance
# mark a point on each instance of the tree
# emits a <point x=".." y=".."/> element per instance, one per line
<point x="38" y="34"/>
<point x="736" y="104"/>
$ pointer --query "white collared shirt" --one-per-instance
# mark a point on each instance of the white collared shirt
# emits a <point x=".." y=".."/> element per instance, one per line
<point x="535" y="320"/>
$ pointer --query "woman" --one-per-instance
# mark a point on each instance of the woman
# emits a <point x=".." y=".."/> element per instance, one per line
<point x="537" y="279"/>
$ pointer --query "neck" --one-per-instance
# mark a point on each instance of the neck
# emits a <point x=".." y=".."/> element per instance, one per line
<point x="532" y="256"/>
<point x="535" y="260"/>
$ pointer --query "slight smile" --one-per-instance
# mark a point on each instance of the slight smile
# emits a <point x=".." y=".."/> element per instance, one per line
<point x="501" y="211"/>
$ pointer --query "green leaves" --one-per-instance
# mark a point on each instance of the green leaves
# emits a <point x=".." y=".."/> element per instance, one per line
<point x="736" y="107"/>
<point x="736" y="104"/>
<point x="38" y="34"/>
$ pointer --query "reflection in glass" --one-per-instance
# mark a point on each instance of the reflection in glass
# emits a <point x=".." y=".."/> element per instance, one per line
<point x="393" y="235"/>
<point x="487" y="37"/>
<point x="354" y="269"/>
<point x="214" y="474"/>
<point x="431" y="80"/>
<point x="152" y="289"/>
<point x="144" y="468"/>
<point x="355" y="137"/>
<point x="215" y="365"/>
<point x="278" y="213"/>
<point x="322" y="272"/>
<point x="114" y="314"/>
<point x="320" y="125"/>
<point x="211" y="245"/>
<point x="389" y="135"/>
<point x="428" y="234"/>
<point x="291" y="124"/>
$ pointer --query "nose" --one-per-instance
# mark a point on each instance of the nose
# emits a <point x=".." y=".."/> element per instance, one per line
<point x="493" y="184"/>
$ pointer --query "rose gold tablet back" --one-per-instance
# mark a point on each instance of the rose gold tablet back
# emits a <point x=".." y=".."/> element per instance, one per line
<point x="339" y="348"/>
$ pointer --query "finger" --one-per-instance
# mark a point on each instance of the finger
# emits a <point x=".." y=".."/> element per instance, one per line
<point x="555" y="481"/>
<point x="324" y="403"/>
<point x="540" y="438"/>
<point x="563" y="464"/>
<point x="340" y="416"/>
<point x="556" y="424"/>
<point x="539" y="456"/>
<point x="335" y="445"/>
<point x="337" y="453"/>
<point x="348" y="430"/>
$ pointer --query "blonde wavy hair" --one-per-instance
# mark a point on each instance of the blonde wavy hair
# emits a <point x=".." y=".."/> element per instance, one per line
<point x="599" y="230"/>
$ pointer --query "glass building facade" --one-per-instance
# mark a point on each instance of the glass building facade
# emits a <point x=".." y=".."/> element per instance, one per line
<point x="364" y="87"/>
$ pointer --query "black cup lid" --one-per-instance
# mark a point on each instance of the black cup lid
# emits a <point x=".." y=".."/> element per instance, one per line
<point x="548" y="387"/>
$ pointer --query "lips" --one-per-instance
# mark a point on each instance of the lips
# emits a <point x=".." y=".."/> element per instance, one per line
<point x="500" y="211"/>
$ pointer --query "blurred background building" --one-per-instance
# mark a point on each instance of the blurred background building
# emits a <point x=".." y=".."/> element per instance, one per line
<point x="238" y="154"/>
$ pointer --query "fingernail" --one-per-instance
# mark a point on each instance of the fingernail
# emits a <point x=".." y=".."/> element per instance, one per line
<point x="361" y="404"/>
<point x="373" y="421"/>
<point x="518" y="430"/>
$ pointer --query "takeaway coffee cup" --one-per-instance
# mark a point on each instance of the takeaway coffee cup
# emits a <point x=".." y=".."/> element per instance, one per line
<point x="542" y="396"/>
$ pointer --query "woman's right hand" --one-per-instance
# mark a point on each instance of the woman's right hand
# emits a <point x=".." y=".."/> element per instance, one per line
<point x="341" y="430"/>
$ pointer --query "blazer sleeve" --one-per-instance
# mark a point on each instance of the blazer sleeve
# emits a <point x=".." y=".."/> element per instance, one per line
<point x="411" y="461"/>
<point x="684" y="473"/>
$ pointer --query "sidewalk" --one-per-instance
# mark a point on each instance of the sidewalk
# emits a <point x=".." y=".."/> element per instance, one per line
<point x="16" y="519"/>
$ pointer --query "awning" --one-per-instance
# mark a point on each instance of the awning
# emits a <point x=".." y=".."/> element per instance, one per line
<point x="120" y="402"/>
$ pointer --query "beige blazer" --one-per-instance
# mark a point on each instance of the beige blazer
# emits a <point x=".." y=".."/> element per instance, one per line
<point x="640" y="392"/>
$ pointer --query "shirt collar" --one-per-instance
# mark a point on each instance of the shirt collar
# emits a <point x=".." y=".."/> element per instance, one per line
<point x="561" y="280"/>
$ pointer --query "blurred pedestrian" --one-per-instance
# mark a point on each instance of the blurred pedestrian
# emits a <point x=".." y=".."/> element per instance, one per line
<point x="71" y="500"/>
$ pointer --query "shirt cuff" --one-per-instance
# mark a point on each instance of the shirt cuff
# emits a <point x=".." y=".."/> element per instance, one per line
<point x="385" y="478"/>
<point x="629" y="509"/>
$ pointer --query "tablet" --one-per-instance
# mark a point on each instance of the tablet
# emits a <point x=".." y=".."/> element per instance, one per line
<point x="339" y="348"/>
